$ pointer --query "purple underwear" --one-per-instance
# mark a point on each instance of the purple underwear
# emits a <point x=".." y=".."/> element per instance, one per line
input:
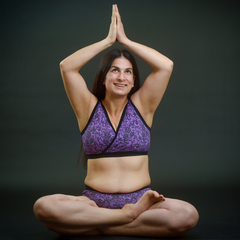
<point x="113" y="200"/>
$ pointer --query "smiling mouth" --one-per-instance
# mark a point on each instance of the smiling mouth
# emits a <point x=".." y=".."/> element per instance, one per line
<point x="120" y="85"/>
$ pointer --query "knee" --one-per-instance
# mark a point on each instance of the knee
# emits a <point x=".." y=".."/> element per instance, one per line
<point x="186" y="219"/>
<point x="191" y="217"/>
<point x="45" y="207"/>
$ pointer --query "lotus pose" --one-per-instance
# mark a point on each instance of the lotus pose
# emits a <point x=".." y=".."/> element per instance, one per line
<point x="115" y="121"/>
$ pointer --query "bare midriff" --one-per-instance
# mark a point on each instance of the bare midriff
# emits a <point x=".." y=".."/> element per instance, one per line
<point x="118" y="174"/>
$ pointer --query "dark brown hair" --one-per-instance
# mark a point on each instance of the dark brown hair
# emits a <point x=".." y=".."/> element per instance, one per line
<point x="98" y="88"/>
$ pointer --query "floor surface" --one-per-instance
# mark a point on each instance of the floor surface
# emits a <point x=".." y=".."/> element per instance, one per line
<point x="218" y="208"/>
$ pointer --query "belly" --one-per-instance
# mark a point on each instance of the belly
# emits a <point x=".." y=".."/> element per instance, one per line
<point x="121" y="174"/>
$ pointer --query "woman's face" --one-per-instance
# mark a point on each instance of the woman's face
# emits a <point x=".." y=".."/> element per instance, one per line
<point x="119" y="79"/>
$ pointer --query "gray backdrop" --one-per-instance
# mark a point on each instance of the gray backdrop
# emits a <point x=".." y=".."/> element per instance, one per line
<point x="195" y="135"/>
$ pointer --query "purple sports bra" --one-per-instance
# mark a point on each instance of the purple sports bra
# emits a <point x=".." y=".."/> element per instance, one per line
<point x="131" y="138"/>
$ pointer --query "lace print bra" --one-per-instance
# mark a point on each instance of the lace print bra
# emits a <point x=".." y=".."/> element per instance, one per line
<point x="131" y="138"/>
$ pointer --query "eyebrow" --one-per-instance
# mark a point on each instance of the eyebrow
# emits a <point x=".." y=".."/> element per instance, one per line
<point x="119" y="68"/>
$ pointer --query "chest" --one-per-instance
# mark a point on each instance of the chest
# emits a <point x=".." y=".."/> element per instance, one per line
<point x="114" y="120"/>
<point x="111" y="134"/>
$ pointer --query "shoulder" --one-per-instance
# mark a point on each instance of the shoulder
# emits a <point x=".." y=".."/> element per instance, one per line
<point x="146" y="115"/>
<point x="86" y="112"/>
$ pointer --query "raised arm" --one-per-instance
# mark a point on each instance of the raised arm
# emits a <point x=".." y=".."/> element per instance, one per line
<point x="80" y="97"/>
<point x="150" y="94"/>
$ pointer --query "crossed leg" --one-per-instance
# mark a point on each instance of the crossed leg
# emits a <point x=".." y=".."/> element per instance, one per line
<point x="171" y="218"/>
<point x="150" y="216"/>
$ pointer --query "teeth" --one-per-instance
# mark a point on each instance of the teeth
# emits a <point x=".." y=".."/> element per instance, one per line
<point x="120" y="85"/>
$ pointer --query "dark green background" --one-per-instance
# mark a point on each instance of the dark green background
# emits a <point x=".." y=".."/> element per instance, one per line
<point x="195" y="135"/>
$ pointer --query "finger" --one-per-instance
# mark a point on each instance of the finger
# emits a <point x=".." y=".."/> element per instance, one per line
<point x="113" y="11"/>
<point x="115" y="7"/>
<point x="118" y="14"/>
<point x="113" y="14"/>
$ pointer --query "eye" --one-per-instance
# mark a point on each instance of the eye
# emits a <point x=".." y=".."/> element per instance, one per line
<point x="114" y="70"/>
<point x="128" y="71"/>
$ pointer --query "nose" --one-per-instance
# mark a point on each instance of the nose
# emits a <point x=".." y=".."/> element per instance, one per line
<point x="121" y="76"/>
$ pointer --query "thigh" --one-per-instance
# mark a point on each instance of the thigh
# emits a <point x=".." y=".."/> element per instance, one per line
<point x="79" y="198"/>
<point x="64" y="214"/>
<point x="180" y="216"/>
<point x="63" y="197"/>
<point x="173" y="205"/>
<point x="50" y="206"/>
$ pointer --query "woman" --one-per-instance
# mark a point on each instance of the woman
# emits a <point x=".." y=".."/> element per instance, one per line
<point x="115" y="126"/>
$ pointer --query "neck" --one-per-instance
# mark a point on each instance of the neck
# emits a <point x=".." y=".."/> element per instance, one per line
<point x="114" y="105"/>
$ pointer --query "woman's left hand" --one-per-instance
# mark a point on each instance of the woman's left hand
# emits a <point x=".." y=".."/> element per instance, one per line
<point x="121" y="36"/>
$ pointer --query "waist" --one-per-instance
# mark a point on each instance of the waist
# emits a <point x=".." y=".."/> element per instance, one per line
<point x="117" y="154"/>
<point x="92" y="189"/>
<point x="121" y="174"/>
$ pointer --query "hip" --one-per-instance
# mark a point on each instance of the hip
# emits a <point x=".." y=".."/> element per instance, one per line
<point x="113" y="200"/>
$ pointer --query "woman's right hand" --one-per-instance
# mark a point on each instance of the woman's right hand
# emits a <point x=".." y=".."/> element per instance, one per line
<point x="112" y="34"/>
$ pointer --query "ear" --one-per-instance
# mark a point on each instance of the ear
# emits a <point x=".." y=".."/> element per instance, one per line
<point x="133" y="80"/>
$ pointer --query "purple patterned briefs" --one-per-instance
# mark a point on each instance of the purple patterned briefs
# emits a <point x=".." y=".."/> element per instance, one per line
<point x="113" y="200"/>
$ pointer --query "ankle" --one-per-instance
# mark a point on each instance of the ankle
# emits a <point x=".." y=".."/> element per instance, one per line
<point x="130" y="212"/>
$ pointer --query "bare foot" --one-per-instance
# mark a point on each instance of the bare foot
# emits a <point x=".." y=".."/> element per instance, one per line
<point x="145" y="202"/>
